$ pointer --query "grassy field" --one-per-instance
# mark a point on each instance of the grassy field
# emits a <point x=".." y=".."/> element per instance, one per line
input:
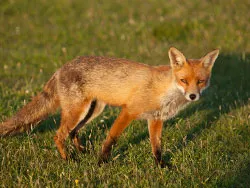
<point x="208" y="144"/>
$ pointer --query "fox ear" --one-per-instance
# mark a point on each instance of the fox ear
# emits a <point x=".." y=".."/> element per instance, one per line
<point x="177" y="59"/>
<point x="209" y="59"/>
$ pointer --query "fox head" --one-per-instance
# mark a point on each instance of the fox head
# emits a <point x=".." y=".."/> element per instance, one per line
<point x="191" y="76"/>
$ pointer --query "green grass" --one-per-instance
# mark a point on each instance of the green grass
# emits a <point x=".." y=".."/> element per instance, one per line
<point x="208" y="144"/>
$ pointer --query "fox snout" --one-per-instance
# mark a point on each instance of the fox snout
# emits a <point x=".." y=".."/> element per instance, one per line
<point x="192" y="96"/>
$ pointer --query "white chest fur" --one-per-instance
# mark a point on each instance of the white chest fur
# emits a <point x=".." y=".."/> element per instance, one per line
<point x="171" y="104"/>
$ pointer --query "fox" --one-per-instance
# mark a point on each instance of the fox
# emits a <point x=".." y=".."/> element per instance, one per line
<point x="82" y="88"/>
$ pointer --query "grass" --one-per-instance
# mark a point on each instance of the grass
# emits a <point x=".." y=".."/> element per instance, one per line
<point x="208" y="144"/>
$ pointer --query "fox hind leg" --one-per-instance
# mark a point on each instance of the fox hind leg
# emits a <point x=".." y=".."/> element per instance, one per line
<point x="81" y="123"/>
<point x="71" y="113"/>
<point x="95" y="109"/>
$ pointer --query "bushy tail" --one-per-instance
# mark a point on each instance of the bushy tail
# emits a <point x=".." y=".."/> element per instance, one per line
<point x="39" y="108"/>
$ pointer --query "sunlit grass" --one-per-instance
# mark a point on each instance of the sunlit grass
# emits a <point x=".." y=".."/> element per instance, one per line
<point x="208" y="144"/>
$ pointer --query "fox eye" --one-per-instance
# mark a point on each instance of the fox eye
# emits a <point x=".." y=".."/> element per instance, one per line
<point x="200" y="81"/>
<point x="184" y="81"/>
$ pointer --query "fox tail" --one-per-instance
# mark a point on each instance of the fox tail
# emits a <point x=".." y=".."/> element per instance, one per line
<point x="31" y="114"/>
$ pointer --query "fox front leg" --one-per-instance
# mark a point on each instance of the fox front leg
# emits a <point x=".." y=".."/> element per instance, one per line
<point x="119" y="125"/>
<point x="155" y="131"/>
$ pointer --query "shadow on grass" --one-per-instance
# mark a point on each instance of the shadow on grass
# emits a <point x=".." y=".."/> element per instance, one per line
<point x="241" y="179"/>
<point x="50" y="124"/>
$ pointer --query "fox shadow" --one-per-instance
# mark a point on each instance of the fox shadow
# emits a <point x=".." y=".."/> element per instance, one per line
<point x="241" y="179"/>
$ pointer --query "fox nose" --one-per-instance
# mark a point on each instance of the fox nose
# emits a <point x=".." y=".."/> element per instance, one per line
<point x="192" y="96"/>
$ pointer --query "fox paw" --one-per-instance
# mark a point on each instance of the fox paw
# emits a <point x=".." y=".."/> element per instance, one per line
<point x="163" y="164"/>
<point x="103" y="158"/>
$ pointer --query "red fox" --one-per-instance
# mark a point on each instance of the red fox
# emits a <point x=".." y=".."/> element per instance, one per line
<point x="82" y="88"/>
